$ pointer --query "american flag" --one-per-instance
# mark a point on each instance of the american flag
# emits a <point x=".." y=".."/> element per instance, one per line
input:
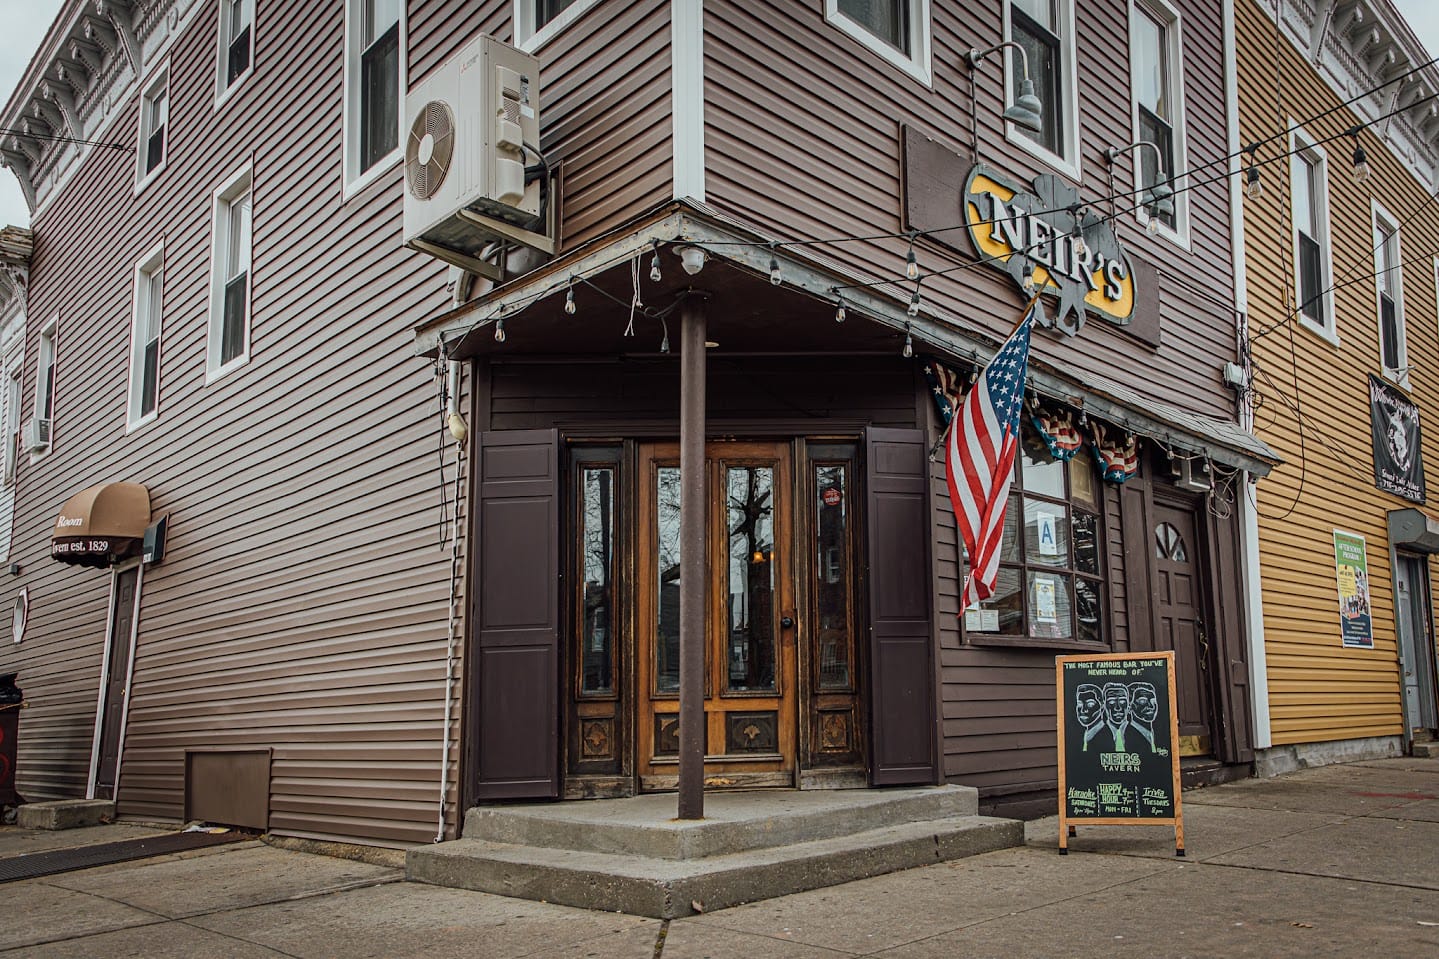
<point x="979" y="458"/>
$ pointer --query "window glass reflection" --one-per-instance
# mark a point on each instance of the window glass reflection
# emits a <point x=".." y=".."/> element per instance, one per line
<point x="667" y="543"/>
<point x="597" y="564"/>
<point x="831" y="490"/>
<point x="750" y="650"/>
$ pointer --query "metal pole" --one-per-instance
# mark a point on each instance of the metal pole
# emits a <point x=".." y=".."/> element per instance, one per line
<point x="693" y="575"/>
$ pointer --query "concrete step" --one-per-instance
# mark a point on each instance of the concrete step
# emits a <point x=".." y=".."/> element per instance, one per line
<point x="734" y="820"/>
<point x="65" y="814"/>
<point x="668" y="888"/>
<point x="1426" y="750"/>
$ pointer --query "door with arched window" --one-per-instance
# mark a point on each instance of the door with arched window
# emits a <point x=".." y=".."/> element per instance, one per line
<point x="1179" y="615"/>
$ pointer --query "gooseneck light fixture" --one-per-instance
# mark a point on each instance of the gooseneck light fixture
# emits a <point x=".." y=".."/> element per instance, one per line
<point x="1158" y="200"/>
<point x="1026" y="111"/>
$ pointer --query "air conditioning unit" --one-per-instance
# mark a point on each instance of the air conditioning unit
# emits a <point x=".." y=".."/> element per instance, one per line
<point x="471" y="129"/>
<point x="37" y="435"/>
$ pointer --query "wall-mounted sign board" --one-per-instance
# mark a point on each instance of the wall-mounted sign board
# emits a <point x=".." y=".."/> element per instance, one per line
<point x="1118" y="738"/>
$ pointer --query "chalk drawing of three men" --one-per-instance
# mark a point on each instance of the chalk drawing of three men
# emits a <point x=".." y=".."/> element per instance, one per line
<point x="1118" y="708"/>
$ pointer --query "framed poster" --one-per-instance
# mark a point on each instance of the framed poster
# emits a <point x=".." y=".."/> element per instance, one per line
<point x="1351" y="569"/>
<point x="1118" y="743"/>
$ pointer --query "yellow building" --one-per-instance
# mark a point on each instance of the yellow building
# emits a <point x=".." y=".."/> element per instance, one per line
<point x="1343" y="379"/>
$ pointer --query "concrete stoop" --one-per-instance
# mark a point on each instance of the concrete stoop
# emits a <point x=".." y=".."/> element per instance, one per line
<point x="65" y="814"/>
<point x="1425" y="750"/>
<point x="628" y="855"/>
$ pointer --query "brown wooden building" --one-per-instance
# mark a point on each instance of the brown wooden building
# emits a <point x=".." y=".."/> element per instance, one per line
<point x="297" y="634"/>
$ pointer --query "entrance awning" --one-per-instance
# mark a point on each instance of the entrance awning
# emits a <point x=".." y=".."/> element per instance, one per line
<point x="1414" y="529"/>
<point x="101" y="525"/>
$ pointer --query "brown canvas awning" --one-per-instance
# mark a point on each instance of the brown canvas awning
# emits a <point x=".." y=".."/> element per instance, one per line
<point x="101" y="525"/>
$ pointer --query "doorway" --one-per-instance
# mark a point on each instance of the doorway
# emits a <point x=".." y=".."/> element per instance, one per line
<point x="750" y="616"/>
<point x="115" y="683"/>
<point x="1416" y="646"/>
<point x="1179" y="613"/>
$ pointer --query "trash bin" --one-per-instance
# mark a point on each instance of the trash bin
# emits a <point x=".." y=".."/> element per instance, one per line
<point x="11" y="699"/>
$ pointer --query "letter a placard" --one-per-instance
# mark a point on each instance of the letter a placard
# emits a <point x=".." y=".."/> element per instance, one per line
<point x="1118" y="743"/>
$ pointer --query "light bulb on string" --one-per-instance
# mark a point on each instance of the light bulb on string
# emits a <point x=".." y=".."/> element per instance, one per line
<point x="655" y="266"/>
<point x="1253" y="186"/>
<point x="1029" y="280"/>
<point x="913" y="309"/>
<point x="1360" y="170"/>
<point x="908" y="350"/>
<point x="1081" y="249"/>
<point x="840" y="313"/>
<point x="499" y="331"/>
<point x="774" y="275"/>
<point x="570" y="301"/>
<point x="911" y="265"/>
<point x="1152" y="227"/>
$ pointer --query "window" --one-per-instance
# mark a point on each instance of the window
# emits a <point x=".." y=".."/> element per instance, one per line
<point x="374" y="52"/>
<point x="1050" y="588"/>
<point x="1389" y="283"/>
<point x="536" y="21"/>
<point x="1156" y="78"/>
<point x="229" y="342"/>
<point x="154" y="123"/>
<point x="598" y="502"/>
<point x="237" y="44"/>
<point x="145" y="337"/>
<point x="1309" y="202"/>
<point x="13" y="374"/>
<point x="1045" y="29"/>
<point x="41" y="426"/>
<point x="897" y="30"/>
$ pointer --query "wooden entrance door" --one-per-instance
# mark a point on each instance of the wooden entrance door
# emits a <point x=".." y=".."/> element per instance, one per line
<point x="117" y="678"/>
<point x="1179" y="608"/>
<point x="750" y="669"/>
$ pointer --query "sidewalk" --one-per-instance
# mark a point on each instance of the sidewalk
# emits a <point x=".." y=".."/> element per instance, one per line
<point x="1338" y="861"/>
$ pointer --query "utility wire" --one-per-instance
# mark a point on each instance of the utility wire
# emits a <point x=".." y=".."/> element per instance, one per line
<point x="56" y="138"/>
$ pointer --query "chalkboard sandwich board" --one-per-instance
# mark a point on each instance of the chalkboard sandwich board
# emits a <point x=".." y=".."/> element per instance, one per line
<point x="1118" y="738"/>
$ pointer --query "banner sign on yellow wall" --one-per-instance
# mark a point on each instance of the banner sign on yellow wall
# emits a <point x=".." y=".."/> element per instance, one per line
<point x="1351" y="564"/>
<point x="1398" y="447"/>
<point x="1042" y="232"/>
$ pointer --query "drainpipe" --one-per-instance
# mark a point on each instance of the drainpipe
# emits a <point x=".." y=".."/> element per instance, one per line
<point x="1248" y="495"/>
<point x="458" y="431"/>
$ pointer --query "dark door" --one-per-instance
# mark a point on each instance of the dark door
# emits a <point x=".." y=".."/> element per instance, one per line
<point x="902" y="713"/>
<point x="1416" y="645"/>
<point x="117" y="676"/>
<point x="516" y="615"/>
<point x="1178" y="601"/>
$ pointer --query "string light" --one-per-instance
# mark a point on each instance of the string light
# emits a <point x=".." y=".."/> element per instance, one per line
<point x="908" y="350"/>
<point x="914" y="303"/>
<point x="1152" y="227"/>
<point x="499" y="331"/>
<point x="840" y="313"/>
<point x="570" y="299"/>
<point x="1081" y="249"/>
<point x="1253" y="188"/>
<point x="774" y="275"/>
<point x="1360" y="170"/>
<point x="655" y="265"/>
<point x="911" y="264"/>
<point x="1029" y="280"/>
<point x="665" y="340"/>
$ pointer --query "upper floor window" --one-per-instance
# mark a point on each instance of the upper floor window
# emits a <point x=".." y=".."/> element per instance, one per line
<point x="154" y="123"/>
<point x="1045" y="29"/>
<point x="1156" y="78"/>
<point x="41" y="425"/>
<point x="237" y="43"/>
<point x="898" y="30"/>
<point x="374" y="57"/>
<point x="229" y="340"/>
<point x="13" y="374"/>
<point x="145" y="337"/>
<point x="538" y="20"/>
<point x="1389" y="283"/>
<point x="1309" y="202"/>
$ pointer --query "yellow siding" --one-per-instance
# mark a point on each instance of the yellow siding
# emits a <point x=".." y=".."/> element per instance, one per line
<point x="1319" y="690"/>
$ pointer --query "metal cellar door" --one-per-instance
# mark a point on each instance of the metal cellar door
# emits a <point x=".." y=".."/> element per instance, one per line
<point x="901" y="655"/>
<point x="516" y="614"/>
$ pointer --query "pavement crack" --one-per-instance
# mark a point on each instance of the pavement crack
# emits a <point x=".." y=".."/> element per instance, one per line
<point x="660" y="939"/>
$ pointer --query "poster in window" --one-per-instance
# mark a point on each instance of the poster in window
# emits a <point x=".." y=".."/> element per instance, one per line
<point x="1398" y="452"/>
<point x="1045" y="612"/>
<point x="1351" y="566"/>
<point x="1045" y="534"/>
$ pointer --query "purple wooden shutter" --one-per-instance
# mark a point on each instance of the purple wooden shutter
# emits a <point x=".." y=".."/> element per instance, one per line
<point x="516" y="615"/>
<point x="902" y="716"/>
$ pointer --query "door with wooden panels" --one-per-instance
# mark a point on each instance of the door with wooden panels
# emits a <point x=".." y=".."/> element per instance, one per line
<point x="1178" y="599"/>
<point x="750" y="657"/>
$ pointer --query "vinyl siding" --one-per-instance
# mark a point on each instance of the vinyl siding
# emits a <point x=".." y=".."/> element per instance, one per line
<point x="1318" y="690"/>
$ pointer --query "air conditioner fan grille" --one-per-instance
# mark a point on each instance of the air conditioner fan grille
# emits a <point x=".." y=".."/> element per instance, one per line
<point x="429" y="149"/>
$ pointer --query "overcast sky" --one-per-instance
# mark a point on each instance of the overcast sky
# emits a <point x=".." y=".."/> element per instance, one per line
<point x="25" y="23"/>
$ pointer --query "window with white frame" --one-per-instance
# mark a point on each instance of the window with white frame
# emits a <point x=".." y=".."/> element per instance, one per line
<point x="1045" y="29"/>
<point x="1156" y="79"/>
<point x="1309" y="211"/>
<point x="538" y="20"/>
<point x="154" y="124"/>
<point x="1389" y="286"/>
<point x="237" y="43"/>
<point x="898" y="30"/>
<point x="42" y="424"/>
<point x="13" y="374"/>
<point x="374" y="56"/>
<point x="145" y="336"/>
<point x="229" y="341"/>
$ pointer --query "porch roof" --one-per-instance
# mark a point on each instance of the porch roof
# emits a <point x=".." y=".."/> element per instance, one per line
<point x="878" y="320"/>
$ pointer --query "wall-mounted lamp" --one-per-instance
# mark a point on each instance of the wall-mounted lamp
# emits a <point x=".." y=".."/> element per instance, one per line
<point x="1158" y="200"/>
<point x="1026" y="111"/>
<point x="692" y="258"/>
